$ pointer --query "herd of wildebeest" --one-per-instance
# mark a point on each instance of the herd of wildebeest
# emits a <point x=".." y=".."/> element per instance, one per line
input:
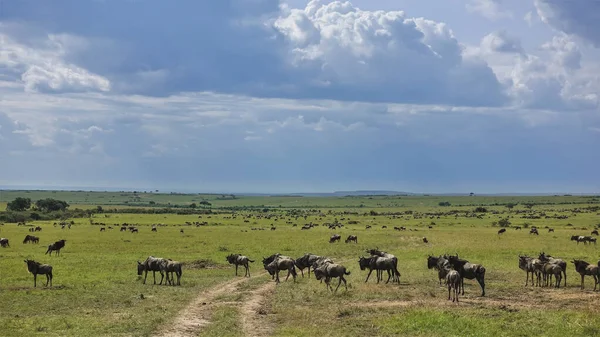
<point x="451" y="269"/>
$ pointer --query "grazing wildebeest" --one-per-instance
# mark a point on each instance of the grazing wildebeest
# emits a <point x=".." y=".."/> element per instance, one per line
<point x="152" y="264"/>
<point x="123" y="229"/>
<point x="31" y="238"/>
<point x="584" y="268"/>
<point x="4" y="243"/>
<point x="332" y="270"/>
<point x="37" y="229"/>
<point x="153" y="229"/>
<point x="31" y="229"/>
<point x="533" y="266"/>
<point x="550" y="230"/>
<point x="334" y="238"/>
<point x="502" y="231"/>
<point x="517" y="227"/>
<point x="37" y="268"/>
<point x="534" y="231"/>
<point x="379" y="264"/>
<point x="281" y="263"/>
<point x="57" y="246"/>
<point x="594" y="232"/>
<point x="181" y="231"/>
<point x="377" y="252"/>
<point x="238" y="259"/>
<point x="549" y="269"/>
<point x="563" y="265"/>
<point x="453" y="280"/>
<point x="441" y="264"/>
<point x="134" y="230"/>
<point x="469" y="271"/>
<point x="173" y="267"/>
<point x="102" y="229"/>
<point x="352" y="238"/>
<point x="425" y="240"/>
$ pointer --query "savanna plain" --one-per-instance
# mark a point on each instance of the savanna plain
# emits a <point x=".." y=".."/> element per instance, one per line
<point x="96" y="290"/>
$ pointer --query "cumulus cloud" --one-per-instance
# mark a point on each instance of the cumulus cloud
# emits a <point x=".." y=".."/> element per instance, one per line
<point x="581" y="18"/>
<point x="386" y="56"/>
<point x="43" y="68"/>
<point x="502" y="42"/>
<point x="490" y="9"/>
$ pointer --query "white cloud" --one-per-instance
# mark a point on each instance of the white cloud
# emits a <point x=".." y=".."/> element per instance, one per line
<point x="502" y="42"/>
<point x="43" y="69"/>
<point x="490" y="9"/>
<point x="581" y="18"/>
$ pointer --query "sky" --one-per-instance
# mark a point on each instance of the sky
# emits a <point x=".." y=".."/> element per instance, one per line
<point x="281" y="96"/>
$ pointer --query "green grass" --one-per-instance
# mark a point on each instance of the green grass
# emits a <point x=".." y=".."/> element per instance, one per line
<point x="97" y="291"/>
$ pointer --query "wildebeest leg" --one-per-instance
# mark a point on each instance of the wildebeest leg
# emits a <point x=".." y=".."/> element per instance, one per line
<point x="34" y="280"/>
<point x="595" y="281"/>
<point x="277" y="276"/>
<point x="369" y="274"/>
<point x="389" y="276"/>
<point x="302" y="271"/>
<point x="449" y="288"/>
<point x="162" y="276"/>
<point x="247" y="269"/>
<point x="527" y="278"/>
<point x="47" y="279"/>
<point x="50" y="274"/>
<point x="582" y="281"/>
<point x="456" y="294"/>
<point x="236" y="266"/>
<point x="565" y="276"/>
<point x="145" y="275"/>
<point x="462" y="284"/>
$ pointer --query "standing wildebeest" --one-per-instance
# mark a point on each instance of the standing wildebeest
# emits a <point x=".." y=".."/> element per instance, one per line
<point x="594" y="232"/>
<point x="153" y="229"/>
<point x="440" y="264"/>
<point x="37" y="229"/>
<point x="37" y="268"/>
<point x="123" y="229"/>
<point x="238" y="259"/>
<point x="534" y="231"/>
<point x="549" y="269"/>
<point x="174" y="267"/>
<point x="31" y="238"/>
<point x="352" y="238"/>
<point x="332" y="270"/>
<point x="102" y="229"/>
<point x="425" y="240"/>
<point x="379" y="264"/>
<point x="533" y="266"/>
<point x="57" y="246"/>
<point x="550" y="230"/>
<point x="584" y="268"/>
<point x="278" y="263"/>
<point x="453" y="280"/>
<point x="334" y="238"/>
<point x="306" y="261"/>
<point x="152" y="264"/>
<point x="4" y="243"/>
<point x="502" y="231"/>
<point x="563" y="265"/>
<point x="395" y="273"/>
<point x="469" y="271"/>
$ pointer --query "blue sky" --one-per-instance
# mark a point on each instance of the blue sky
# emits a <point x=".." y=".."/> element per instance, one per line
<point x="296" y="96"/>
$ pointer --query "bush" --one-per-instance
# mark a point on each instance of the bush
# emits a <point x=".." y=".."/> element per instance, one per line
<point x="481" y="210"/>
<point x="19" y="204"/>
<point x="504" y="222"/>
<point x="444" y="203"/>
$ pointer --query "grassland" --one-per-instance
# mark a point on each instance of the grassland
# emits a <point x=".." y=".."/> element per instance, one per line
<point x="97" y="292"/>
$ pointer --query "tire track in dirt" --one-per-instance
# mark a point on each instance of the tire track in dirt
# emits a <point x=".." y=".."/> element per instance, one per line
<point x="254" y="320"/>
<point x="196" y="315"/>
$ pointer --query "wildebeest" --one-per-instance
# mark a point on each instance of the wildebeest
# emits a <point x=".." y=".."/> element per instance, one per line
<point x="377" y="252"/>
<point x="173" y="267"/>
<point x="550" y="269"/>
<point x="441" y="264"/>
<point x="469" y="271"/>
<point x="352" y="238"/>
<point x="123" y="229"/>
<point x="584" y="268"/>
<point x="278" y="263"/>
<point x="153" y="229"/>
<point x="425" y="240"/>
<point x="517" y="227"/>
<point x="334" y="238"/>
<point x="57" y="246"/>
<point x="31" y="238"/>
<point x="332" y="270"/>
<point x="238" y="259"/>
<point x="502" y="231"/>
<point x="102" y="229"/>
<point x="37" y="268"/>
<point x="560" y="262"/>
<point x="306" y="261"/>
<point x="453" y="280"/>
<point x="379" y="264"/>
<point x="37" y="229"/>
<point x="4" y="243"/>
<point x="533" y="266"/>
<point x="550" y="230"/>
<point x="534" y="231"/>
<point x="152" y="264"/>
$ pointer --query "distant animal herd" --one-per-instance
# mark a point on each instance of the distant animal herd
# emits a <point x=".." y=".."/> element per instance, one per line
<point x="542" y="271"/>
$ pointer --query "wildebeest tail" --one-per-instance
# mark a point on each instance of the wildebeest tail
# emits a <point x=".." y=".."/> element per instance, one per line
<point x="250" y="260"/>
<point x="346" y="273"/>
<point x="294" y="271"/>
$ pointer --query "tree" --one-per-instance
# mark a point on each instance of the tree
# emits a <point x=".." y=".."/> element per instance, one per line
<point x="193" y="205"/>
<point x="510" y="205"/>
<point x="51" y="205"/>
<point x="205" y="203"/>
<point x="444" y="203"/>
<point x="19" y="204"/>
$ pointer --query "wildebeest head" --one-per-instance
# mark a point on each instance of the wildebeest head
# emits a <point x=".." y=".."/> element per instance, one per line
<point x="432" y="261"/>
<point x="364" y="262"/>
<point x="140" y="268"/>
